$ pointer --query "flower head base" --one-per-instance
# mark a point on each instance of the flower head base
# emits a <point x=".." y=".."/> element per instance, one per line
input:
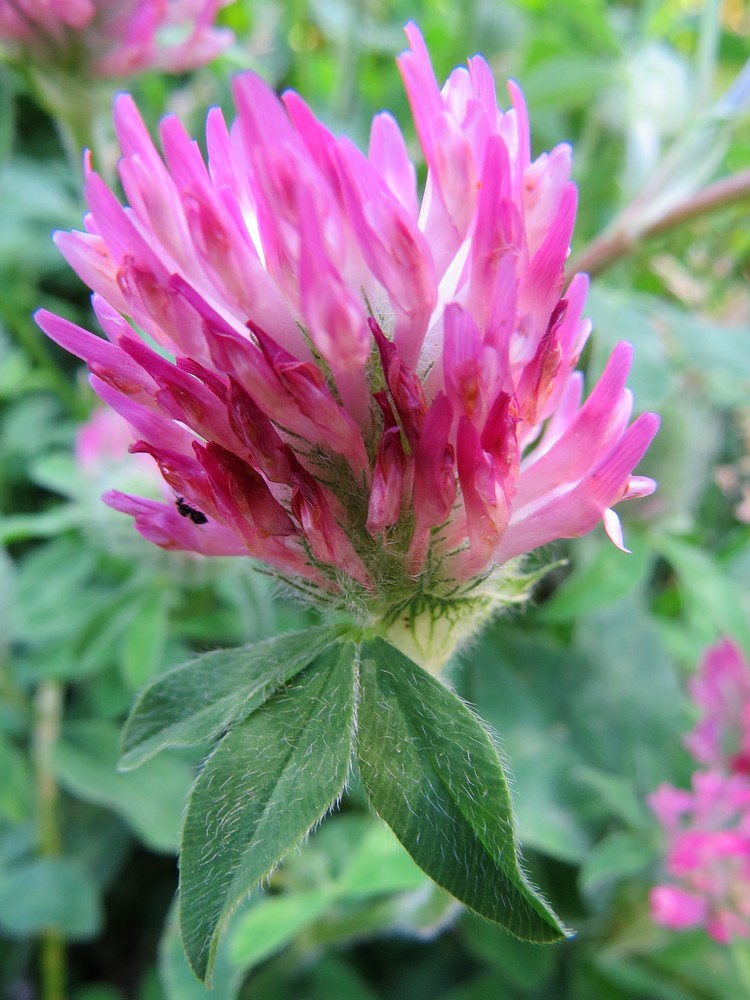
<point x="112" y="38"/>
<point x="372" y="393"/>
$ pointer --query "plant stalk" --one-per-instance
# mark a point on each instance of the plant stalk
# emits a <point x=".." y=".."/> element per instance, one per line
<point x="740" y="953"/>
<point x="48" y="704"/>
<point x="617" y="242"/>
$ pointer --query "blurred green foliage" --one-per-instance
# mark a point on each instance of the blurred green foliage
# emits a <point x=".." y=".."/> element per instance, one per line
<point x="585" y="688"/>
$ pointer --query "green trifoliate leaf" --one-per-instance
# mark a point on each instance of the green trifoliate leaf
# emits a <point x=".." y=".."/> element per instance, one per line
<point x="198" y="700"/>
<point x="268" y="782"/>
<point x="432" y="773"/>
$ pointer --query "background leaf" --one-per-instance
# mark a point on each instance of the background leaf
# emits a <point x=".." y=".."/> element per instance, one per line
<point x="49" y="892"/>
<point x="267" y="928"/>
<point x="151" y="801"/>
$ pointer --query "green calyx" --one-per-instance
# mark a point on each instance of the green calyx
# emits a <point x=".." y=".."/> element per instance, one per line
<point x="429" y="626"/>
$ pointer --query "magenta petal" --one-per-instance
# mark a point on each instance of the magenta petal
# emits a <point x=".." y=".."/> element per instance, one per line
<point x="162" y="524"/>
<point x="242" y="496"/>
<point x="390" y="159"/>
<point x="578" y="448"/>
<point x="676" y="908"/>
<point x="434" y="479"/>
<point x="103" y="358"/>
<point x="89" y="257"/>
<point x="324" y="534"/>
<point x="485" y="503"/>
<point x="387" y="488"/>
<point x="567" y="512"/>
<point x="144" y="421"/>
<point x="404" y="385"/>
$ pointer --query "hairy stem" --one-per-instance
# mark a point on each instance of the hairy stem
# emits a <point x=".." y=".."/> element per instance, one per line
<point x="48" y="705"/>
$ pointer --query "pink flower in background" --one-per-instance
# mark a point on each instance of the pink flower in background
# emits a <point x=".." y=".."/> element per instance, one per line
<point x="708" y="856"/>
<point x="357" y="385"/>
<point x="721" y="689"/>
<point x="708" y="829"/>
<point x="104" y="440"/>
<point x="105" y="38"/>
<point x="103" y="458"/>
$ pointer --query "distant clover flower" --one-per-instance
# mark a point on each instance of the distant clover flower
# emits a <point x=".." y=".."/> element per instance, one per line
<point x="721" y="689"/>
<point x="372" y="393"/>
<point x="708" y="856"/>
<point x="708" y="829"/>
<point x="113" y="38"/>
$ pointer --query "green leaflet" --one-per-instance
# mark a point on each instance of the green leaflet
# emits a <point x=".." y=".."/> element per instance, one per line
<point x="268" y="927"/>
<point x="432" y="773"/>
<point x="268" y="782"/>
<point x="291" y="706"/>
<point x="198" y="700"/>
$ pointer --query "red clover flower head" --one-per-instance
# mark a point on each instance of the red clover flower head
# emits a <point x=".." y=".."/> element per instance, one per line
<point x="708" y="856"/>
<point x="721" y="690"/>
<point x="373" y="392"/>
<point x="707" y="829"/>
<point x="113" y="38"/>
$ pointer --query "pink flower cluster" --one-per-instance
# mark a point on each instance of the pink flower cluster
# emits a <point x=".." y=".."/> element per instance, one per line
<point x="356" y="385"/>
<point x="708" y="829"/>
<point x="112" y="38"/>
<point x="102" y="444"/>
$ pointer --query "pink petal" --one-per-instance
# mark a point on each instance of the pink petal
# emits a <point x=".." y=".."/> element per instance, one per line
<point x="676" y="908"/>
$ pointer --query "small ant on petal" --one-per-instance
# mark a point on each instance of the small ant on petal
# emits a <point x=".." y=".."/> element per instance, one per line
<point x="185" y="510"/>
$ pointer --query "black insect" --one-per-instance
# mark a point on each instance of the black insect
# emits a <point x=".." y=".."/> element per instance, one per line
<point x="185" y="510"/>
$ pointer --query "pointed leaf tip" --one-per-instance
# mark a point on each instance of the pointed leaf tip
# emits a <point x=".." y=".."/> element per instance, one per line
<point x="433" y="774"/>
<point x="265" y="786"/>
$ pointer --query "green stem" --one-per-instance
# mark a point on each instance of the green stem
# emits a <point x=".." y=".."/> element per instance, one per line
<point x="48" y="704"/>
<point x="348" y="58"/>
<point x="80" y="108"/>
<point x="739" y="951"/>
<point x="708" y="43"/>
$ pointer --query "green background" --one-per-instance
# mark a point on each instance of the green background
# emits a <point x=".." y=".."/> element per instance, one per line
<point x="585" y="687"/>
